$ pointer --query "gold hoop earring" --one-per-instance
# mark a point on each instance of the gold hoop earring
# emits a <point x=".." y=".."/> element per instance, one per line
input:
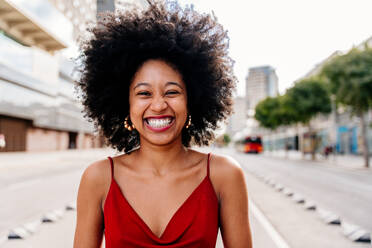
<point x="127" y="126"/>
<point x="188" y="123"/>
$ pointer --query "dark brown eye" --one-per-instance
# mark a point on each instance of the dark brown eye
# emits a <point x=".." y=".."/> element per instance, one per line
<point x="172" y="92"/>
<point x="144" y="93"/>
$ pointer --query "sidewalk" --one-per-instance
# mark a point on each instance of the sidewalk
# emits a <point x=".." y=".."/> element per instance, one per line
<point x="351" y="162"/>
<point x="35" y="158"/>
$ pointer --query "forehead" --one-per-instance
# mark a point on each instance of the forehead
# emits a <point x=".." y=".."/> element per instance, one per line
<point x="156" y="72"/>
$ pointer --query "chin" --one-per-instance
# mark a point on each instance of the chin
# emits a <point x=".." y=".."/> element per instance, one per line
<point x="162" y="141"/>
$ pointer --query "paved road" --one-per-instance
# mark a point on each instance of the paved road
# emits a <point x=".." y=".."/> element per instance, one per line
<point x="34" y="184"/>
<point x="347" y="193"/>
<point x="61" y="233"/>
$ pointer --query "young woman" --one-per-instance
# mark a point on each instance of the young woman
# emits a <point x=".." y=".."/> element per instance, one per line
<point x="155" y="83"/>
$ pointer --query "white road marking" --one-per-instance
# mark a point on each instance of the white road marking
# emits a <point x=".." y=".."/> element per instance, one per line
<point x="275" y="236"/>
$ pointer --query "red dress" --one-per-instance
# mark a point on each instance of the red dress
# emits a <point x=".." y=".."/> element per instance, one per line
<point x="195" y="223"/>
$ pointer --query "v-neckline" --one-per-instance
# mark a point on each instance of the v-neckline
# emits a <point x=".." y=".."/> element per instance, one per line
<point x="173" y="216"/>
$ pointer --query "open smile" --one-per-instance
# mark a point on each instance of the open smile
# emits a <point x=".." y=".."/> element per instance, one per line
<point x="159" y="123"/>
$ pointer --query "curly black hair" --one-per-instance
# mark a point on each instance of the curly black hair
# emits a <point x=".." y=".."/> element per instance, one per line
<point x="195" y="44"/>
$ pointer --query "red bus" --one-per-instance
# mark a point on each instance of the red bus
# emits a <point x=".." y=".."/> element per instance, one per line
<point x="253" y="144"/>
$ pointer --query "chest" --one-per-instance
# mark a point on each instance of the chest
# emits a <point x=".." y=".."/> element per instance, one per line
<point x="156" y="203"/>
<point x="194" y="223"/>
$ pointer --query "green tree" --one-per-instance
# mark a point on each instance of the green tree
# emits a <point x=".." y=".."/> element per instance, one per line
<point x="226" y="139"/>
<point x="304" y="101"/>
<point x="267" y="113"/>
<point x="271" y="114"/>
<point x="350" y="80"/>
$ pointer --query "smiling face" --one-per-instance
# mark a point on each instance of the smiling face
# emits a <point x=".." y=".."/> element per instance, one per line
<point x="158" y="103"/>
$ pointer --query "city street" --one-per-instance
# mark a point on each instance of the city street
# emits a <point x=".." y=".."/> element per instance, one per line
<point x="78" y="75"/>
<point x="33" y="184"/>
<point x="346" y="192"/>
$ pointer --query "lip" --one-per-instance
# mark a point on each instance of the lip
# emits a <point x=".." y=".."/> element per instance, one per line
<point x="159" y="117"/>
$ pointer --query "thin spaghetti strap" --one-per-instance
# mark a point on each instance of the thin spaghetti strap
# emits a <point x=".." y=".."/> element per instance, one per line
<point x="112" y="167"/>
<point x="209" y="156"/>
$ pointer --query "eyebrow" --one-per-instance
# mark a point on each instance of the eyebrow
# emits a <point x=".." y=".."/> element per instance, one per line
<point x="174" y="83"/>
<point x="140" y="84"/>
<point x="147" y="84"/>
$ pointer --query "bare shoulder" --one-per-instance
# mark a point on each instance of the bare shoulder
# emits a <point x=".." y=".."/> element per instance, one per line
<point x="97" y="171"/>
<point x="89" y="223"/>
<point x="97" y="176"/>
<point x="226" y="167"/>
<point x="227" y="174"/>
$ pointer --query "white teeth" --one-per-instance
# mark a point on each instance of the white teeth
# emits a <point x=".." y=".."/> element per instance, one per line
<point x="159" y="123"/>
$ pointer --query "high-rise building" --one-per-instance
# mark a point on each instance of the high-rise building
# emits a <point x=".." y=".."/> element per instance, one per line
<point x="261" y="82"/>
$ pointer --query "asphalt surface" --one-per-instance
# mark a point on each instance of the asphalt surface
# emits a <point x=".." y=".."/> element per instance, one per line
<point x="345" y="192"/>
<point x="34" y="184"/>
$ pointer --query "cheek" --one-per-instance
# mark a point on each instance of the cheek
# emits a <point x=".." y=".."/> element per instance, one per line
<point x="137" y="108"/>
<point x="180" y="109"/>
<point x="179" y="105"/>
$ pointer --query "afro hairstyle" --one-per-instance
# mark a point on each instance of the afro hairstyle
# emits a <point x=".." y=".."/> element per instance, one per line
<point x="193" y="43"/>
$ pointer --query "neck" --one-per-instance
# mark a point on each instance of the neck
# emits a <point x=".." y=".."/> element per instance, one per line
<point x="161" y="159"/>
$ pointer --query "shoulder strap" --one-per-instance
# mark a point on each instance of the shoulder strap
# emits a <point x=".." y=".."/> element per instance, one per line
<point x="209" y="156"/>
<point x="112" y="166"/>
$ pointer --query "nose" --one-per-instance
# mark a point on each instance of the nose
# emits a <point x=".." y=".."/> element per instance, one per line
<point x="158" y="104"/>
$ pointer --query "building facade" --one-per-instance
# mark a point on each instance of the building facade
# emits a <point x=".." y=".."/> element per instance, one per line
<point x="261" y="82"/>
<point x="38" y="108"/>
<point x="340" y="129"/>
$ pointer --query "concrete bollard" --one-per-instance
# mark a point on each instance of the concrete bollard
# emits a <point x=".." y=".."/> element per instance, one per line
<point x="298" y="198"/>
<point x="71" y="206"/>
<point x="355" y="233"/>
<point x="18" y="233"/>
<point x="278" y="187"/>
<point x="271" y="182"/>
<point x="329" y="217"/>
<point x="49" y="217"/>
<point x="288" y="192"/>
<point x="309" y="205"/>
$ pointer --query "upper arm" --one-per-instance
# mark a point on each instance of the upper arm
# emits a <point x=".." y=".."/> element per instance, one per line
<point x="235" y="228"/>
<point x="89" y="223"/>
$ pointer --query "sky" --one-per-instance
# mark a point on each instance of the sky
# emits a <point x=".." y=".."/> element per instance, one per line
<point x="290" y="35"/>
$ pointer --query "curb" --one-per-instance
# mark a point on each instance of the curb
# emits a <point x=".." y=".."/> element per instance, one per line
<point x="351" y="231"/>
<point x="329" y="217"/>
<point x="309" y="205"/>
<point x="355" y="233"/>
<point x="30" y="228"/>
<point x="297" y="198"/>
<point x="53" y="216"/>
<point x="288" y="192"/>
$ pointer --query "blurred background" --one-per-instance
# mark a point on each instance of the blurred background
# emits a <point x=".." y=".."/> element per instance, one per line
<point x="301" y="127"/>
